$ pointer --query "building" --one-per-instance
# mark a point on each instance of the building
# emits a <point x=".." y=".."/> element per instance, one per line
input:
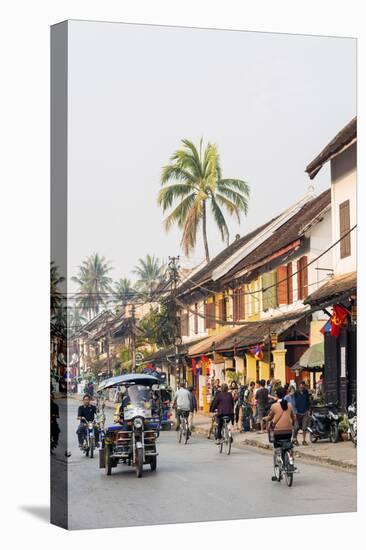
<point x="339" y="294"/>
<point x="246" y="306"/>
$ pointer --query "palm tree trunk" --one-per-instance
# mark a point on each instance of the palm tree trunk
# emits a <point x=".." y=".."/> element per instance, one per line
<point x="204" y="231"/>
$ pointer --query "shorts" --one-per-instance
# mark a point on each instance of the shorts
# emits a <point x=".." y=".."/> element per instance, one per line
<point x="261" y="413"/>
<point x="302" y="422"/>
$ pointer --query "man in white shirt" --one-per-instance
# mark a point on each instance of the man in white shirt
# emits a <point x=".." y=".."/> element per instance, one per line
<point x="182" y="403"/>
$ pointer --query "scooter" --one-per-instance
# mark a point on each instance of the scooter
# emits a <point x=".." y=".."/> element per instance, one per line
<point x="352" y="421"/>
<point x="325" y="425"/>
<point x="89" y="438"/>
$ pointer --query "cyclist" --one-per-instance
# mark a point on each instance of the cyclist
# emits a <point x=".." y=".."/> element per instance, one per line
<point x="182" y="403"/>
<point x="281" y="418"/>
<point x="224" y="403"/>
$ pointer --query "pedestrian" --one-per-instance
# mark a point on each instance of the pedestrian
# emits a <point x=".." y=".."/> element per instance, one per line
<point x="302" y="405"/>
<point x="193" y="408"/>
<point x="248" y="420"/>
<point x="319" y="386"/>
<point x="286" y="387"/>
<point x="216" y="387"/>
<point x="262" y="399"/>
<point x="224" y="404"/>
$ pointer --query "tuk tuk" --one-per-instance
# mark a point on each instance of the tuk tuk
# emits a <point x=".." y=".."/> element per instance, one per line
<point x="132" y="438"/>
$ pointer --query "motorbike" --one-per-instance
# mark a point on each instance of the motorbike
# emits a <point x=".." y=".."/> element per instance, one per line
<point x="131" y="440"/>
<point x="324" y="424"/>
<point x="88" y="444"/>
<point x="352" y="421"/>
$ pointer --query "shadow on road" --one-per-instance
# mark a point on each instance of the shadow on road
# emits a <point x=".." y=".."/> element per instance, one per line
<point x="40" y="512"/>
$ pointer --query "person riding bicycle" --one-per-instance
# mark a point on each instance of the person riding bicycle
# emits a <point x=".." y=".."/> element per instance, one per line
<point x="281" y="418"/>
<point x="182" y="403"/>
<point x="86" y="413"/>
<point x="224" y="403"/>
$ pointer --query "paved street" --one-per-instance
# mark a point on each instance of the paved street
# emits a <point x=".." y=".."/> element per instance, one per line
<point x="195" y="483"/>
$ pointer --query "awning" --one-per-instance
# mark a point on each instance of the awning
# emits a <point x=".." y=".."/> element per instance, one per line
<point x="313" y="357"/>
<point x="247" y="335"/>
<point x="335" y="289"/>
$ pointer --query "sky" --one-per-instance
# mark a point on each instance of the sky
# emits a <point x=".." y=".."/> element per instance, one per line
<point x="270" y="102"/>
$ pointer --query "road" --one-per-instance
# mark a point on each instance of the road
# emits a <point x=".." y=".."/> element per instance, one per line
<point x="196" y="483"/>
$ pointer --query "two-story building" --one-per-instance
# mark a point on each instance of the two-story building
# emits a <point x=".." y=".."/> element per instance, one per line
<point x="341" y="289"/>
<point x="247" y="303"/>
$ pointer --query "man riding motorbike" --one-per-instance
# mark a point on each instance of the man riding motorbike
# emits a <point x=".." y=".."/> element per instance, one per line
<point x="86" y="413"/>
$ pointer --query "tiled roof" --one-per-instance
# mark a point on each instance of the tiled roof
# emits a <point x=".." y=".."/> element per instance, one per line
<point x="254" y="332"/>
<point x="333" y="288"/>
<point x="289" y="232"/>
<point x="341" y="140"/>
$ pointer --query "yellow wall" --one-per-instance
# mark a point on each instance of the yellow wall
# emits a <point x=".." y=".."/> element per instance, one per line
<point x="251" y="368"/>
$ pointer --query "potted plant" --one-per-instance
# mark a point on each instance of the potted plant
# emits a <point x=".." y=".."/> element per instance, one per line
<point x="343" y="427"/>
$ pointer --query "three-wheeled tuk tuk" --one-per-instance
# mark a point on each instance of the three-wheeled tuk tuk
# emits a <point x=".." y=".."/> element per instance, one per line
<point x="132" y="438"/>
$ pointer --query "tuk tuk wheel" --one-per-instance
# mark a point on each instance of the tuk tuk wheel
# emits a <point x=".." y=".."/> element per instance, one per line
<point x="108" y="460"/>
<point x="139" y="461"/>
<point x="153" y="463"/>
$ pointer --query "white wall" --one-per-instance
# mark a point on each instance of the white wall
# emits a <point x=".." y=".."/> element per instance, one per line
<point x="344" y="187"/>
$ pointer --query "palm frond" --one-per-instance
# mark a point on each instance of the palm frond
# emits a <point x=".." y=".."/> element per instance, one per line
<point x="167" y="195"/>
<point x="178" y="215"/>
<point x="219" y="219"/>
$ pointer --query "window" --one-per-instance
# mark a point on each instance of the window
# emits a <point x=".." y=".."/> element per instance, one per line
<point x="344" y="227"/>
<point x="302" y="278"/>
<point x="239" y="304"/>
<point x="269" y="290"/>
<point x="284" y="288"/>
<point x="195" y="318"/>
<point x="222" y="309"/>
<point x="210" y="315"/>
<point x="184" y="324"/>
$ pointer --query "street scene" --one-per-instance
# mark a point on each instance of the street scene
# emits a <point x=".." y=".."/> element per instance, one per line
<point x="203" y="360"/>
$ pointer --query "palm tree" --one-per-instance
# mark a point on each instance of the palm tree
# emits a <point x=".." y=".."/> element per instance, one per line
<point x="94" y="284"/>
<point x="55" y="281"/>
<point x="195" y="181"/>
<point x="75" y="319"/>
<point x="124" y="292"/>
<point x="150" y="275"/>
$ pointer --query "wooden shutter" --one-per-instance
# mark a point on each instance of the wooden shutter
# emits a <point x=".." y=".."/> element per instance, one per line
<point x="235" y="305"/>
<point x="196" y="318"/>
<point x="344" y="227"/>
<point x="290" y="294"/>
<point x="304" y="265"/>
<point x="222" y="309"/>
<point x="210" y="315"/>
<point x="241" y="304"/>
<point x="302" y="278"/>
<point x="282" y="288"/>
<point x="184" y="324"/>
<point x="269" y="290"/>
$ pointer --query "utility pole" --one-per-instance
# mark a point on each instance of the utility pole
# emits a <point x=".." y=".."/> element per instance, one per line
<point x="174" y="277"/>
<point x="133" y="338"/>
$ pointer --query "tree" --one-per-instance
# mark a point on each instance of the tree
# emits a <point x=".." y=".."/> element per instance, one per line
<point x="75" y="319"/>
<point x="55" y="281"/>
<point x="158" y="327"/>
<point x="150" y="275"/>
<point x="124" y="292"/>
<point x="94" y="284"/>
<point x="195" y="182"/>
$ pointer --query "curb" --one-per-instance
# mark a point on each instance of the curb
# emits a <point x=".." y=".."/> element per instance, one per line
<point x="298" y="454"/>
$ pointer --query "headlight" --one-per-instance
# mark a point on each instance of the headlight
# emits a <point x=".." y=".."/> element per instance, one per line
<point x="138" y="423"/>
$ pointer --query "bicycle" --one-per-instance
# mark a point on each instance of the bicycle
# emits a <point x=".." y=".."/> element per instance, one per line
<point x="183" y="432"/>
<point x="226" y="437"/>
<point x="283" y="462"/>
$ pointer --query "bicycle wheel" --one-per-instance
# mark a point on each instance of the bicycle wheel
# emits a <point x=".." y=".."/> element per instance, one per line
<point x="186" y="431"/>
<point x="289" y="473"/>
<point x="276" y="468"/>
<point x="227" y="440"/>
<point x="180" y="432"/>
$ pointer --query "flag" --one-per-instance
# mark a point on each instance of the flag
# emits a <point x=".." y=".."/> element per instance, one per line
<point x="257" y="352"/>
<point x="326" y="328"/>
<point x="338" y="316"/>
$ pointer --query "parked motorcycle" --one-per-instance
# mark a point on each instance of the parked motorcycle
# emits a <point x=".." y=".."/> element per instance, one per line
<point x="352" y="421"/>
<point x="89" y="438"/>
<point x="325" y="424"/>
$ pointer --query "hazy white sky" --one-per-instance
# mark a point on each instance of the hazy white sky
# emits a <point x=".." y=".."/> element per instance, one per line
<point x="269" y="101"/>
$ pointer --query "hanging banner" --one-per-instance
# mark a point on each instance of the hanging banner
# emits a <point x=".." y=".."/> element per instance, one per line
<point x="257" y="351"/>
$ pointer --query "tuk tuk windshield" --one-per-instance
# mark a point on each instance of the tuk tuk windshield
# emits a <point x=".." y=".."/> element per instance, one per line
<point x="138" y="394"/>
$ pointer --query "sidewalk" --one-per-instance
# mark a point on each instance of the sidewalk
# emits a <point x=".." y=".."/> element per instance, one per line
<point x="342" y="454"/>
